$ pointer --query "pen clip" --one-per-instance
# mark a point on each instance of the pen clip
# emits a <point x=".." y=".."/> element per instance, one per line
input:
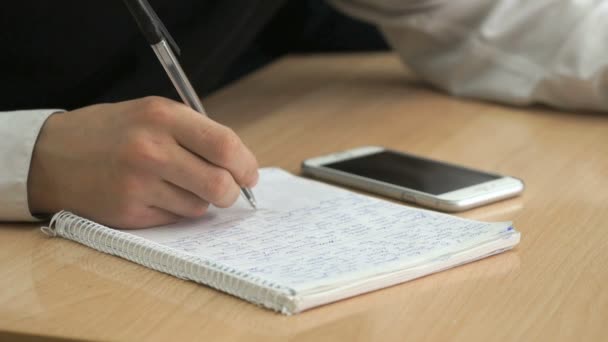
<point x="150" y="24"/>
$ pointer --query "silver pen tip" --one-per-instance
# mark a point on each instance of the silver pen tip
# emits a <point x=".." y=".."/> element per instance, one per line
<point x="248" y="194"/>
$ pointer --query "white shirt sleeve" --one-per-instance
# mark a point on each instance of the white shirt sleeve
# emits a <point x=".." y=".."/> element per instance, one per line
<point x="511" y="51"/>
<point x="18" y="133"/>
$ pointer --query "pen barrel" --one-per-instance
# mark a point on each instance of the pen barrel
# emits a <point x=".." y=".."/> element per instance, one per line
<point x="143" y="14"/>
<point x="186" y="91"/>
<point x="178" y="77"/>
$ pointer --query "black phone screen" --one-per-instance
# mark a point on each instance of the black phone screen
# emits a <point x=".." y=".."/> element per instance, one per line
<point x="414" y="173"/>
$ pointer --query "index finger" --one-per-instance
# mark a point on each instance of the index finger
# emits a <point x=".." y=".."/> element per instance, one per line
<point x="217" y="144"/>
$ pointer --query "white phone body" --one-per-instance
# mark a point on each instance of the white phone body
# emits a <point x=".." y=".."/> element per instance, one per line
<point x="456" y="199"/>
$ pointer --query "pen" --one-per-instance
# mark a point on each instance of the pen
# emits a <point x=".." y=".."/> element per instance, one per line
<point x="163" y="45"/>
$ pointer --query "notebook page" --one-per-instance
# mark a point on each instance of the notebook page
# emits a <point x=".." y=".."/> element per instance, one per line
<point x="308" y="234"/>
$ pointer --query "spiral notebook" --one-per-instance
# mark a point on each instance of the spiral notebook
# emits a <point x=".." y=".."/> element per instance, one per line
<point x="307" y="244"/>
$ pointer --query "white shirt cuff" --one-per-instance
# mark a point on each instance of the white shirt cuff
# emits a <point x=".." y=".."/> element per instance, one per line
<point x="18" y="134"/>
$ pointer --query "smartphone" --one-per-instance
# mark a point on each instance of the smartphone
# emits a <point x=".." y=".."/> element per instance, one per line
<point x="433" y="184"/>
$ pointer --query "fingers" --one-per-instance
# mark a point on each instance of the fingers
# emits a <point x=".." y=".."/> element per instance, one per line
<point x="177" y="201"/>
<point x="153" y="162"/>
<point x="175" y="161"/>
<point x="145" y="218"/>
<point x="160" y="217"/>
<point x="210" y="183"/>
<point x="219" y="145"/>
<point x="198" y="155"/>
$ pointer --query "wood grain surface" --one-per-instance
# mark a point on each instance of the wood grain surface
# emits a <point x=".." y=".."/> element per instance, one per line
<point x="552" y="287"/>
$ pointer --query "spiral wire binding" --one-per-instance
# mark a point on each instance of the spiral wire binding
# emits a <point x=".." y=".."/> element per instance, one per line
<point x="173" y="262"/>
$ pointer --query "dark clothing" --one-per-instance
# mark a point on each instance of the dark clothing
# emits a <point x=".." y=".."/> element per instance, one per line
<point x="69" y="53"/>
<point x="72" y="53"/>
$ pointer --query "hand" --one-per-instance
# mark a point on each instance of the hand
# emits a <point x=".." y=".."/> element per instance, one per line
<point x="135" y="164"/>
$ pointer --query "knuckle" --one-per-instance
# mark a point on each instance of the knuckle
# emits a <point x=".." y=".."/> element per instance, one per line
<point x="198" y="209"/>
<point x="228" y="146"/>
<point x="218" y="186"/>
<point x="154" y="110"/>
<point x="151" y="102"/>
<point x="143" y="152"/>
<point x="128" y="214"/>
<point x="129" y="186"/>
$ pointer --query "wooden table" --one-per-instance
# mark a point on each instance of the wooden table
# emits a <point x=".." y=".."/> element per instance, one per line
<point x="552" y="287"/>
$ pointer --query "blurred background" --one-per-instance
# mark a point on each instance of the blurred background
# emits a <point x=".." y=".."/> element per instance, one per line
<point x="306" y="26"/>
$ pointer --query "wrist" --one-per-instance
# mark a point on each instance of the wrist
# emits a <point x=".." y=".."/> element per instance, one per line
<point x="41" y="185"/>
